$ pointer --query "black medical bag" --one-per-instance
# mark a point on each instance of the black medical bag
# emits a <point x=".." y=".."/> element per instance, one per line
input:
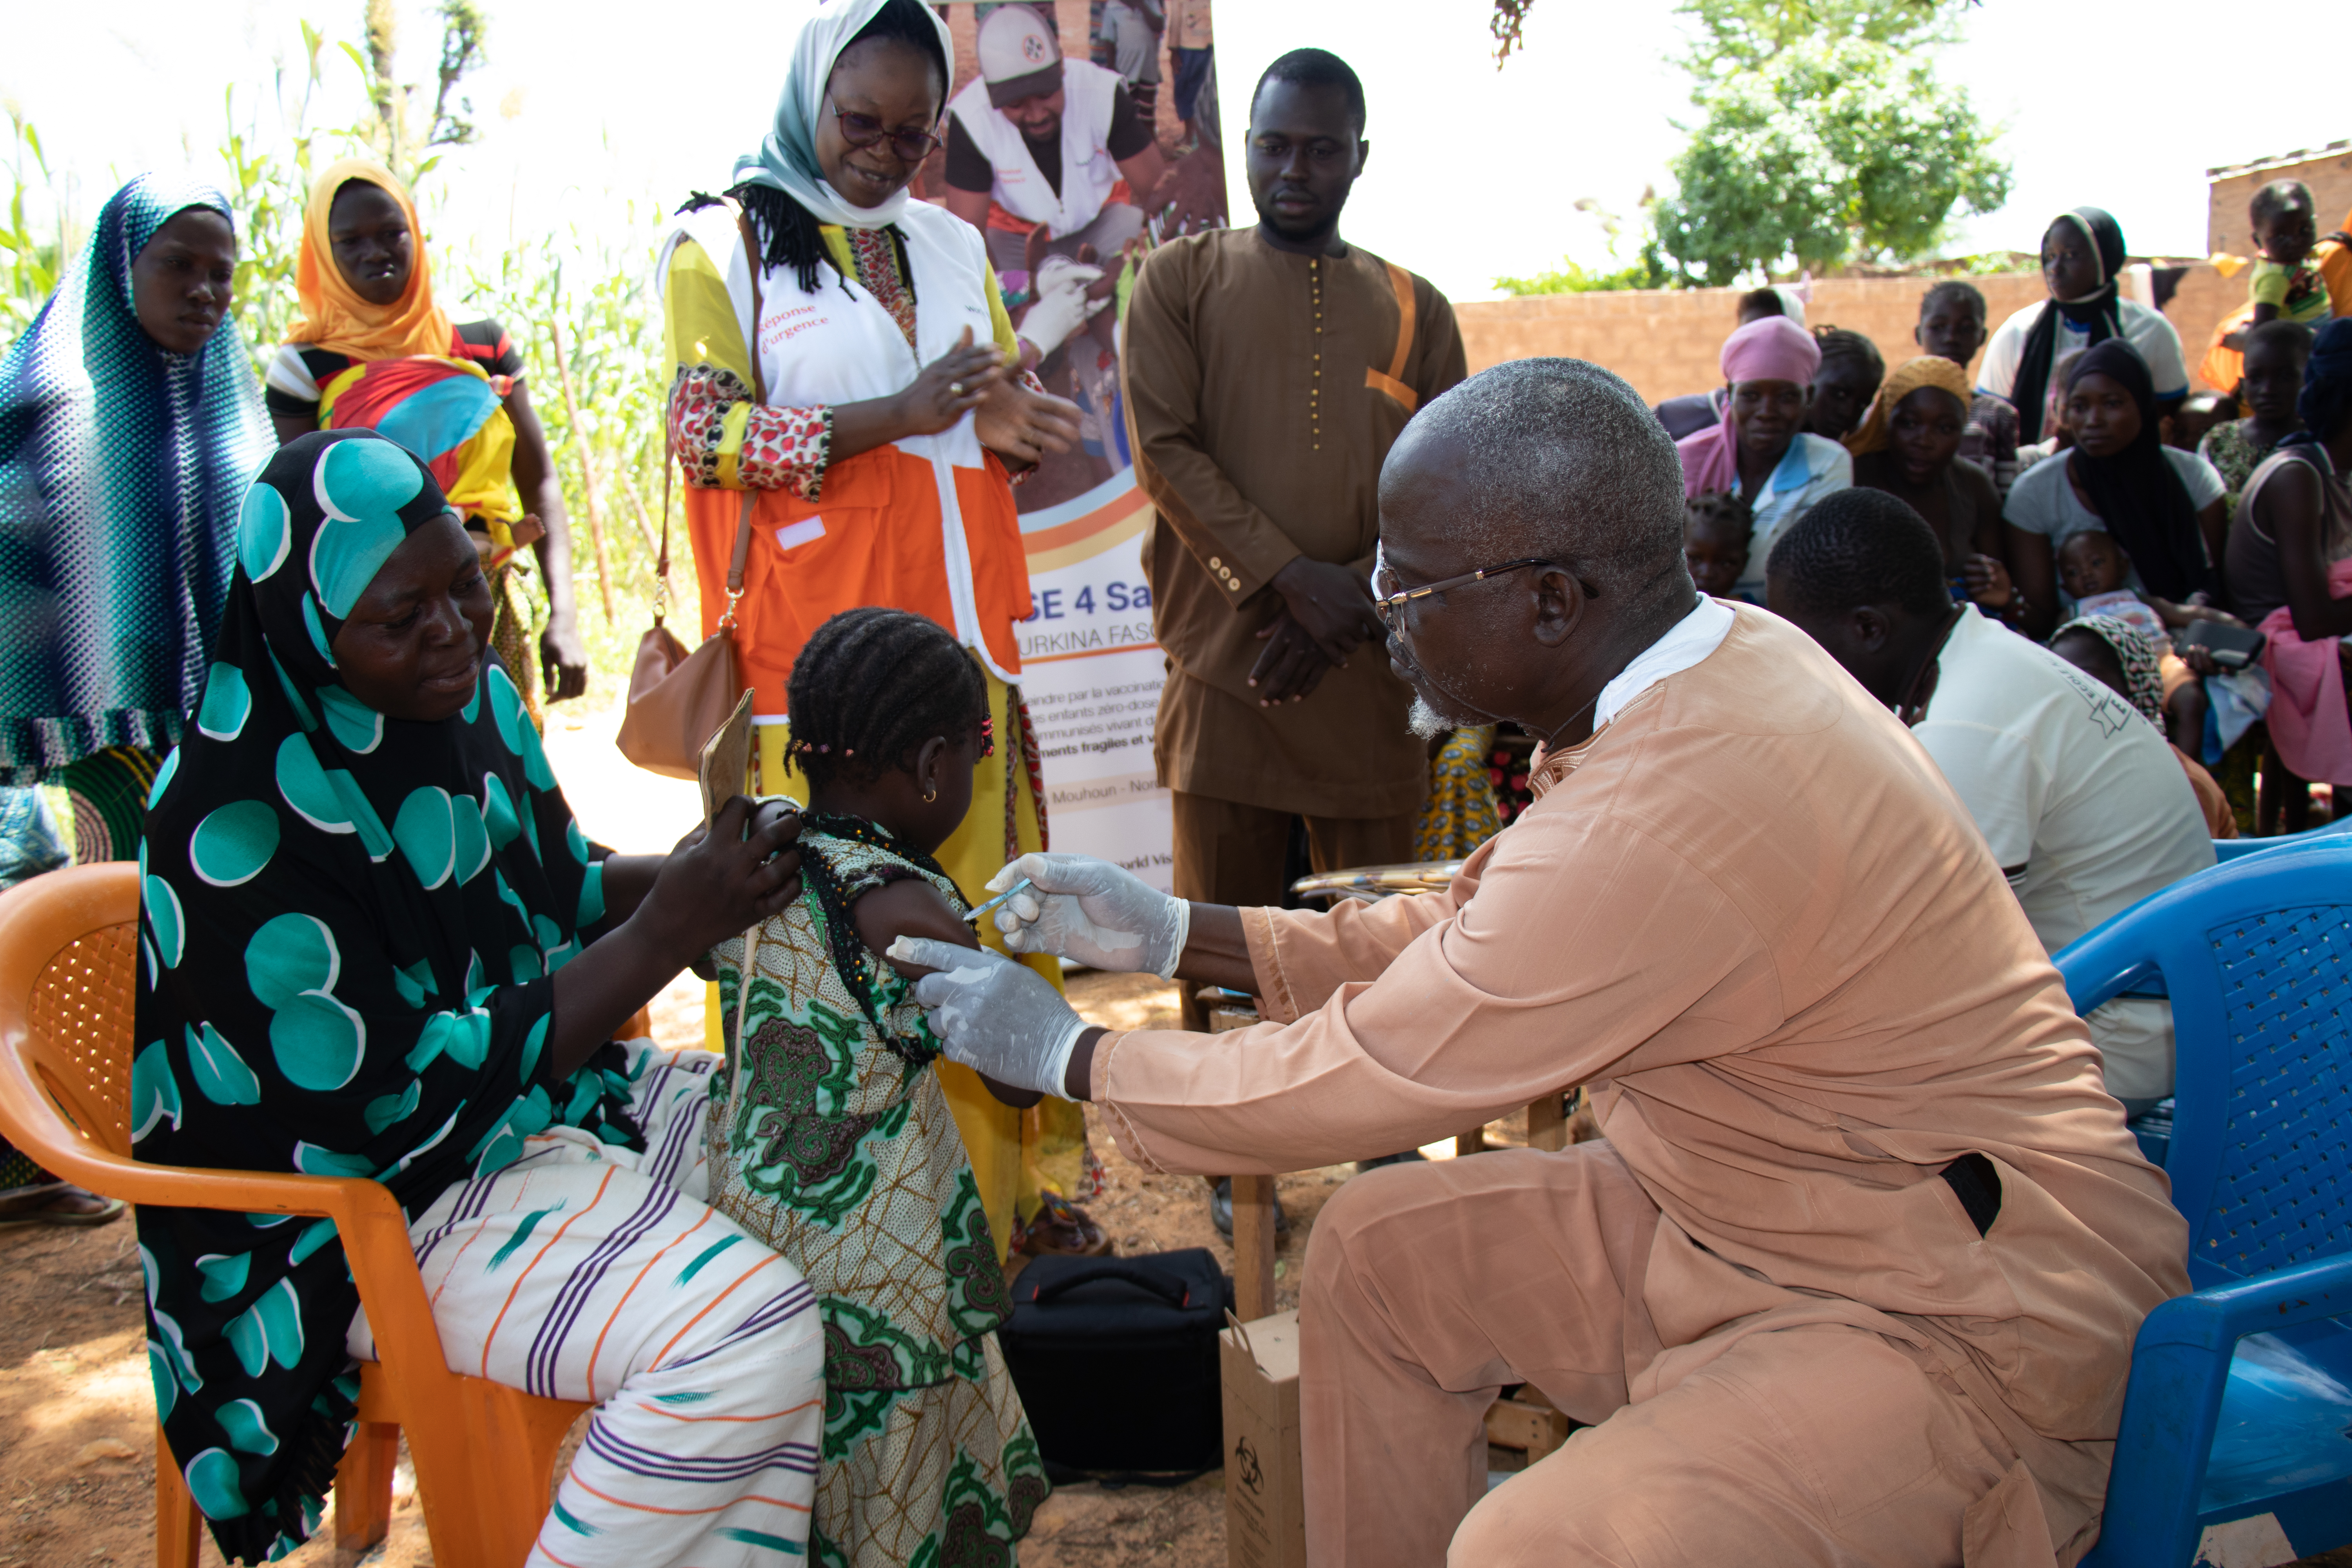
<point x="1116" y="1359"/>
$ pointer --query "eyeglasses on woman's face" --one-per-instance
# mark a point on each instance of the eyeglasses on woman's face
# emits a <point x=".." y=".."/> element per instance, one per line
<point x="863" y="130"/>
<point x="1390" y="602"/>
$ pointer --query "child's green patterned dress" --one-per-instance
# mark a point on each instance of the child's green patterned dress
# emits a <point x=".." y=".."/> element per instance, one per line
<point x="830" y="1140"/>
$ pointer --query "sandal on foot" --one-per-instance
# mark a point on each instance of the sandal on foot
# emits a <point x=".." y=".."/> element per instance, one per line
<point x="68" y="1205"/>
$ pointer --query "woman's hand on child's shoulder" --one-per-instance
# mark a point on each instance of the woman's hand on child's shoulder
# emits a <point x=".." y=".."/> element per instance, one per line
<point x="719" y="883"/>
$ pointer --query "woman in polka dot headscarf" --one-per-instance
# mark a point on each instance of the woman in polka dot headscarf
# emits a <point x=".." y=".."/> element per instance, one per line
<point x="362" y="895"/>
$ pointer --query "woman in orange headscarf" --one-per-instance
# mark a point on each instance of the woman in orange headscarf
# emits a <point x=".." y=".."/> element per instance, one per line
<point x="374" y="350"/>
<point x="1909" y="445"/>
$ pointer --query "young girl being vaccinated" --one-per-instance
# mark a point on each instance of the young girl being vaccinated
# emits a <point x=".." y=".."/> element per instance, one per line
<point x="830" y="1139"/>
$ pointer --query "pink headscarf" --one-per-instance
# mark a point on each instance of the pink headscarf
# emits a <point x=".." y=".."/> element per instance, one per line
<point x="1774" y="349"/>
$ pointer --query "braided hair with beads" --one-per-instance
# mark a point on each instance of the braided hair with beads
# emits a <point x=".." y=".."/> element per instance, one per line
<point x="870" y="686"/>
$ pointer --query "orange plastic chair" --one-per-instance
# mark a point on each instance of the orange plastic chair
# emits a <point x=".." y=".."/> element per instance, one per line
<point x="485" y="1454"/>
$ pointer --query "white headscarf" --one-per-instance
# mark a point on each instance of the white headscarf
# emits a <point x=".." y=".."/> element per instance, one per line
<point x="786" y="160"/>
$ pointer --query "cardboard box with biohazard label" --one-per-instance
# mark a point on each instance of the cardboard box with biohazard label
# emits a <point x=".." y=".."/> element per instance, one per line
<point x="1266" y="1502"/>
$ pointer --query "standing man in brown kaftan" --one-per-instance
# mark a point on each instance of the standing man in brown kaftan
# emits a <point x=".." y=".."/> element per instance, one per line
<point x="1268" y="370"/>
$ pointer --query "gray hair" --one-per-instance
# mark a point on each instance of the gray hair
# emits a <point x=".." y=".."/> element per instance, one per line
<point x="1565" y="462"/>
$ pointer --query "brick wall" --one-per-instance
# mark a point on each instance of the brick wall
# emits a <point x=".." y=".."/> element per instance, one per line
<point x="1666" y="341"/>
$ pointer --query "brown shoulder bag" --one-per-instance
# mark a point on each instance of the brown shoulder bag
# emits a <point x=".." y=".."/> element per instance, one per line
<point x="679" y="700"/>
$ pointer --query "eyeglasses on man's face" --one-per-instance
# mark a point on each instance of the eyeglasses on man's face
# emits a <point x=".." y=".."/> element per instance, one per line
<point x="863" y="130"/>
<point x="1391" y="605"/>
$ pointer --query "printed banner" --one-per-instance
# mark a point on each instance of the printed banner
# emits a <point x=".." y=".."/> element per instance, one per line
<point x="1091" y="674"/>
<point x="1081" y="135"/>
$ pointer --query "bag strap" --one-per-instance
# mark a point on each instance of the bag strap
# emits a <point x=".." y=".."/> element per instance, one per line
<point x="661" y="563"/>
<point x="760" y="393"/>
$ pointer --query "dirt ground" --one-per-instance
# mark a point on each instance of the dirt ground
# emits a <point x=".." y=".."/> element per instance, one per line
<point x="77" y="1415"/>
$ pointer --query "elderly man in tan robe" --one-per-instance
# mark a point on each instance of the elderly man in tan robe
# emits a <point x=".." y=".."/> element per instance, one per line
<point x="1854" y="1275"/>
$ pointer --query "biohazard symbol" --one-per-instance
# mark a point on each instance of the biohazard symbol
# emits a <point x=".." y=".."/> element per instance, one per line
<point x="1247" y="1472"/>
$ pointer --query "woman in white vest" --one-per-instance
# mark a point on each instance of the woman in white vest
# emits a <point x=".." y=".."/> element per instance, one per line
<point x="867" y="446"/>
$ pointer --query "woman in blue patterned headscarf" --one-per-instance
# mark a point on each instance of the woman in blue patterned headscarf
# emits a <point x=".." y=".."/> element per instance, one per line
<point x="129" y="422"/>
<point x="362" y="897"/>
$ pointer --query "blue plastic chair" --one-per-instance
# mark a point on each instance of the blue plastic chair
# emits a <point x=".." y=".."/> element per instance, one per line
<point x="2233" y="1443"/>
<point x="2238" y="848"/>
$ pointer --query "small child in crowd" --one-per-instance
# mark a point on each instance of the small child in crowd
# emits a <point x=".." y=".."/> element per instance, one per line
<point x="2097" y="577"/>
<point x="2282" y="285"/>
<point x="1952" y="326"/>
<point x="2276" y="352"/>
<point x="1715" y="530"/>
<point x="1844" y="386"/>
<point x="830" y="1138"/>
<point x="2284" y="222"/>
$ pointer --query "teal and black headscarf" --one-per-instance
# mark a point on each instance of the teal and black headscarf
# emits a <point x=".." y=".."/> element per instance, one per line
<point x="121" y="466"/>
<point x="349" y="924"/>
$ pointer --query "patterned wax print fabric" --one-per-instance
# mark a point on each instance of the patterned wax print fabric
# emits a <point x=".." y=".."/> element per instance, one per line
<point x="831" y="1142"/>
<point x="121" y="470"/>
<point x="2135" y="654"/>
<point x="1508" y="767"/>
<point x="450" y="410"/>
<point x="30" y="842"/>
<point x="1024" y="1162"/>
<point x="725" y="437"/>
<point x="2235" y="455"/>
<point x="348" y="923"/>
<point x="1461" y="813"/>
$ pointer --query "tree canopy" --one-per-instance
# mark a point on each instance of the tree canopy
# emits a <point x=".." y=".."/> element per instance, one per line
<point x="1824" y="138"/>
<point x="1825" y="153"/>
<point x="1748" y="35"/>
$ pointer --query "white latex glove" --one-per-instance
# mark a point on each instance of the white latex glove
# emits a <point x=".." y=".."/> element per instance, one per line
<point x="995" y="1016"/>
<point x="1060" y="307"/>
<point x="1091" y="913"/>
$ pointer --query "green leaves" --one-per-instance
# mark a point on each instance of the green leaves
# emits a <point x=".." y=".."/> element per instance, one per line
<point x="1573" y="277"/>
<point x="32" y="267"/>
<point x="1827" y="139"/>
<point x="1748" y="35"/>
<point x="1825" y="153"/>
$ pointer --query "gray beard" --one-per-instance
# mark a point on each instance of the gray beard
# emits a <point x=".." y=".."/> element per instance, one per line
<point x="1425" y="721"/>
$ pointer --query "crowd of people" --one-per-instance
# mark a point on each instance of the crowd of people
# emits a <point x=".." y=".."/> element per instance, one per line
<point x="1847" y="693"/>
<point x="2069" y="496"/>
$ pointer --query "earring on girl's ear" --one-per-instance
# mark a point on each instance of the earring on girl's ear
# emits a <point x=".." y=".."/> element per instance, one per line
<point x="931" y="795"/>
